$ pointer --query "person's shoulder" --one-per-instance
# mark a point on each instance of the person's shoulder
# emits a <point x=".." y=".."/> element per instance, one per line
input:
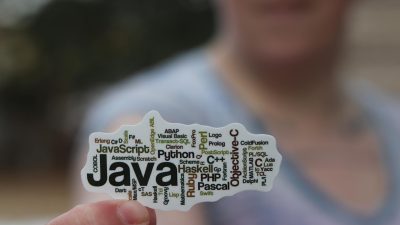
<point x="377" y="100"/>
<point x="170" y="88"/>
<point x="178" y="74"/>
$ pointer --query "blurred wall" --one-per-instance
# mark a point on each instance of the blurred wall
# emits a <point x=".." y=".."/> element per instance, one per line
<point x="374" y="44"/>
<point x="53" y="59"/>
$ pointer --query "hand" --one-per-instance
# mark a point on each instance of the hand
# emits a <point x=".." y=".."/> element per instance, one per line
<point x="113" y="212"/>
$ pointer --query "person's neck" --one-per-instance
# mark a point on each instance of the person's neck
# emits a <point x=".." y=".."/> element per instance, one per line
<point x="314" y="96"/>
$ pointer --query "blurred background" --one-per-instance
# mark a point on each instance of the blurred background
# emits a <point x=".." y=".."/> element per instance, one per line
<point x="57" y="55"/>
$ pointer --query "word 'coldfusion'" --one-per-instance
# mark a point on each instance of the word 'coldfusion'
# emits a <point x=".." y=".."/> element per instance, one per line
<point x="173" y="166"/>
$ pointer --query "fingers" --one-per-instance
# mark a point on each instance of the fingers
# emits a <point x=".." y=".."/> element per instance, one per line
<point x="153" y="218"/>
<point x="108" y="213"/>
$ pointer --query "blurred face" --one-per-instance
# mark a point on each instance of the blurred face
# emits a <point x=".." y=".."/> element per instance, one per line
<point x="283" y="33"/>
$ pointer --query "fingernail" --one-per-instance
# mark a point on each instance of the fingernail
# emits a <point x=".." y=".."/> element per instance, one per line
<point x="133" y="213"/>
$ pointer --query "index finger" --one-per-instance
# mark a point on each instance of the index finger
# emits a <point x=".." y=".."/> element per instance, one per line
<point x="112" y="212"/>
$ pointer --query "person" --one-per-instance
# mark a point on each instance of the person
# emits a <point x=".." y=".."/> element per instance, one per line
<point x="272" y="66"/>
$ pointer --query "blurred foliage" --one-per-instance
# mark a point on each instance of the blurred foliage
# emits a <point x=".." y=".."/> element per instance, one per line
<point x="70" y="47"/>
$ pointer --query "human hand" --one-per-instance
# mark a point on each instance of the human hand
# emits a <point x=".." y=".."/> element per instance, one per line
<point x="112" y="212"/>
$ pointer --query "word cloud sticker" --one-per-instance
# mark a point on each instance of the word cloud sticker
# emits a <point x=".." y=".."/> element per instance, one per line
<point x="172" y="166"/>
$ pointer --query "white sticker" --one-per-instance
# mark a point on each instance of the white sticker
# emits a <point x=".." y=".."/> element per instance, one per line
<point x="172" y="166"/>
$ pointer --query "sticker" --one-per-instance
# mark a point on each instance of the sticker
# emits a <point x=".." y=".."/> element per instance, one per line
<point x="172" y="166"/>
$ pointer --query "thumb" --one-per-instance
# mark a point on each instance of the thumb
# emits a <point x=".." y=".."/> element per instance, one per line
<point x="113" y="212"/>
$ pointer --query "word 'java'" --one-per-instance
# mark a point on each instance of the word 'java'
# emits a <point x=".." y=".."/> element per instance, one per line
<point x="167" y="174"/>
